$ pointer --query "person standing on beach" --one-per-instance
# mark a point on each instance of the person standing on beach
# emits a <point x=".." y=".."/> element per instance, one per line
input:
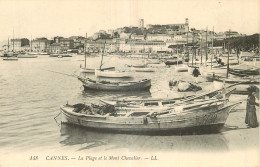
<point x="251" y="118"/>
<point x="196" y="73"/>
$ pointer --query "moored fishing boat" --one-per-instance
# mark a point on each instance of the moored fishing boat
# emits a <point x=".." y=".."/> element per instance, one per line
<point x="26" y="56"/>
<point x="114" y="74"/>
<point x="210" y="117"/>
<point x="173" y="61"/>
<point x="10" y="58"/>
<point x="166" y="102"/>
<point x="142" y="85"/>
<point x="92" y="70"/>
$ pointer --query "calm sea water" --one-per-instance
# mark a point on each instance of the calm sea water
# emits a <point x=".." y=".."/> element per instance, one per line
<point x="30" y="97"/>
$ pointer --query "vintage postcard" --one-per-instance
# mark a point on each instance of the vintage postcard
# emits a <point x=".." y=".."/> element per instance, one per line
<point x="129" y="83"/>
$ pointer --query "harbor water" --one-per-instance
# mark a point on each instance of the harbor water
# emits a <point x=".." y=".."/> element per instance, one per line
<point x="31" y="95"/>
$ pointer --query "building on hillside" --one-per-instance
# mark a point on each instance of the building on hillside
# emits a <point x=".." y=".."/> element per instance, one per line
<point x="18" y="44"/>
<point x="220" y="36"/>
<point x="110" y="32"/>
<point x="137" y="37"/>
<point x="230" y="34"/>
<point x="158" y="37"/>
<point x="40" y="45"/>
<point x="124" y="35"/>
<point x="102" y="32"/>
<point x="172" y="29"/>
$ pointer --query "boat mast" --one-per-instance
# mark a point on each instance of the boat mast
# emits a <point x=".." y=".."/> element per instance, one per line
<point x="200" y="49"/>
<point x="85" y="45"/>
<point x="206" y="46"/>
<point x="102" y="55"/>
<point x="31" y="43"/>
<point x="212" y="46"/>
<point x="187" y="46"/>
<point x="228" y="55"/>
<point x="13" y="40"/>
<point x="8" y="45"/>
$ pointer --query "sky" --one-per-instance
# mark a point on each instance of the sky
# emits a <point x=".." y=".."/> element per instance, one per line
<point x="49" y="18"/>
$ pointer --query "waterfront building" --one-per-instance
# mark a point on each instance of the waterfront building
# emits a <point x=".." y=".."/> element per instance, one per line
<point x="66" y="44"/>
<point x="123" y="46"/>
<point x="148" y="46"/>
<point x="98" y="45"/>
<point x="55" y="48"/>
<point x="142" y="46"/>
<point x="40" y="45"/>
<point x="18" y="44"/>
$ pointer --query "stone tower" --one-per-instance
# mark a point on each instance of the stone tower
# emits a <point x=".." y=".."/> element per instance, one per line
<point x="141" y="23"/>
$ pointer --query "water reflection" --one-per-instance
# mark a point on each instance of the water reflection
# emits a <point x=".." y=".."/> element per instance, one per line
<point x="86" y="139"/>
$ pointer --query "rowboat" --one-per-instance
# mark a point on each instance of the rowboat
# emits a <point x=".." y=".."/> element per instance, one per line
<point x="166" y="102"/>
<point x="173" y="62"/>
<point x="244" y="70"/>
<point x="10" y="58"/>
<point x="92" y="70"/>
<point x="142" y="85"/>
<point x="142" y="69"/>
<point x="138" y="65"/>
<point x="61" y="55"/>
<point x="209" y="118"/>
<point x="26" y="56"/>
<point x="113" y="74"/>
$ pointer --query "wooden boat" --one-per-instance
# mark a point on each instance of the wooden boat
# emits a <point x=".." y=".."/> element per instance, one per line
<point x="142" y="69"/>
<point x="138" y="65"/>
<point x="244" y="70"/>
<point x="113" y="74"/>
<point x="209" y="117"/>
<point x="61" y="55"/>
<point x="173" y="62"/>
<point x="10" y="58"/>
<point x="166" y="102"/>
<point x="92" y="70"/>
<point x="142" y="85"/>
<point x="26" y="56"/>
<point x="152" y="61"/>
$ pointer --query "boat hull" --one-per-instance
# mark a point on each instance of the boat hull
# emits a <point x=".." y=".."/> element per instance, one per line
<point x="113" y="74"/>
<point x="173" y="62"/>
<point x="212" y="120"/>
<point x="92" y="70"/>
<point x="143" y="85"/>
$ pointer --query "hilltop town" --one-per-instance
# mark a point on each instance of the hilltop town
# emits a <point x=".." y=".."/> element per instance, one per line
<point x="139" y="39"/>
